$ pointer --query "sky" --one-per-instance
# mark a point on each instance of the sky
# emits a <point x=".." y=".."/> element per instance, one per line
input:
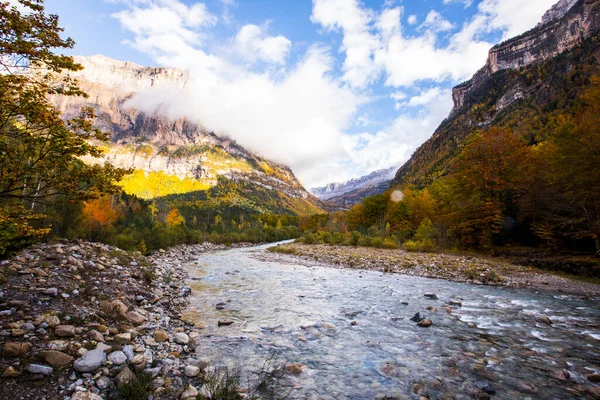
<point x="334" y="89"/>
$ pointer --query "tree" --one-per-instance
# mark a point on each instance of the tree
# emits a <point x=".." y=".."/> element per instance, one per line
<point x="40" y="152"/>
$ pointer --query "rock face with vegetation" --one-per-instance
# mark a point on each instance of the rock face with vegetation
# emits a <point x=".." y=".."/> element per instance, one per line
<point x="156" y="145"/>
<point x="86" y="320"/>
<point x="538" y="71"/>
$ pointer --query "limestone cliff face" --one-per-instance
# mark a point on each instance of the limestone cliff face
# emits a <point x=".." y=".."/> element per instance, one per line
<point x="563" y="27"/>
<point x="153" y="142"/>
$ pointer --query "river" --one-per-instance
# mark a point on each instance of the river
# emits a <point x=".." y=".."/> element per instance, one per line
<point x="351" y="330"/>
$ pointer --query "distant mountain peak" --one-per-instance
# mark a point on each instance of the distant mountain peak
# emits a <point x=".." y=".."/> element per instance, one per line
<point x="336" y="189"/>
<point x="558" y="11"/>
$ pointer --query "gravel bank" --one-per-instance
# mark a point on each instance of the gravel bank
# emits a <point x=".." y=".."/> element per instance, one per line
<point x="79" y="319"/>
<point x="471" y="269"/>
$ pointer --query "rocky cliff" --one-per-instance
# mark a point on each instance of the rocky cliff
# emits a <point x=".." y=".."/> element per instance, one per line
<point x="524" y="83"/>
<point x="563" y="27"/>
<point x="155" y="142"/>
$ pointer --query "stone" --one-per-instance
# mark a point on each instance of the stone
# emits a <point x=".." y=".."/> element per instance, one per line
<point x="595" y="392"/>
<point x="56" y="358"/>
<point x="128" y="350"/>
<point x="431" y="296"/>
<point x="52" y="321"/>
<point x="543" y="319"/>
<point x="10" y="372"/>
<point x="64" y="331"/>
<point x="17" y="332"/>
<point x="51" y="292"/>
<point x="117" y="357"/>
<point x="294" y="369"/>
<point x="189" y="393"/>
<point x="103" y="347"/>
<point x="593" y="378"/>
<point x="103" y="382"/>
<point x="181" y="338"/>
<point x="485" y="386"/>
<point x="426" y="323"/>
<point x="417" y="318"/>
<point x="124" y="377"/>
<point x="85" y="396"/>
<point x="160" y="335"/>
<point x="15" y="349"/>
<point x="191" y="371"/>
<point x="91" y="361"/>
<point x="560" y="375"/>
<point x="123" y="338"/>
<point x="135" y="318"/>
<point x="95" y="335"/>
<point x="39" y="369"/>
<point x="224" y="322"/>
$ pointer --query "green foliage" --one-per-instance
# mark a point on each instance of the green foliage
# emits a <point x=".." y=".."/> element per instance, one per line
<point x="138" y="389"/>
<point x="221" y="384"/>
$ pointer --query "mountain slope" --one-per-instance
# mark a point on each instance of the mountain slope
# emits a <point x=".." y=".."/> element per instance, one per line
<point x="525" y="81"/>
<point x="172" y="155"/>
<point x="353" y="191"/>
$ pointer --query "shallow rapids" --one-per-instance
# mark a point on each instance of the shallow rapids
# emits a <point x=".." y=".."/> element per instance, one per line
<point x="351" y="331"/>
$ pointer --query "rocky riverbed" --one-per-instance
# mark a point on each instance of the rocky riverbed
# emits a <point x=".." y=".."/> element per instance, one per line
<point x="79" y="320"/>
<point x="456" y="268"/>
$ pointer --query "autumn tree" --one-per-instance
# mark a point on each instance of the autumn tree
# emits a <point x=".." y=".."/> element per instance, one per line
<point x="483" y="182"/>
<point x="39" y="150"/>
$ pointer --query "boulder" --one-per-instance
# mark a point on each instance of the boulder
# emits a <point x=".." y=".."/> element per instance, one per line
<point x="64" y="331"/>
<point x="117" y="357"/>
<point x="15" y="349"/>
<point x="160" y="335"/>
<point x="294" y="369"/>
<point x="191" y="371"/>
<point x="91" y="361"/>
<point x="135" y="318"/>
<point x="39" y="369"/>
<point x="124" y="377"/>
<point x="426" y="323"/>
<point x="56" y="358"/>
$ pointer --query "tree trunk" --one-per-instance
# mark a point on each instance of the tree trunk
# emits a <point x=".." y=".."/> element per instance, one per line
<point x="597" y="240"/>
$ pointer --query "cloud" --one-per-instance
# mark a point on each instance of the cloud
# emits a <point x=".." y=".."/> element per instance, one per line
<point x="301" y="113"/>
<point x="358" y="41"/>
<point x="252" y="43"/>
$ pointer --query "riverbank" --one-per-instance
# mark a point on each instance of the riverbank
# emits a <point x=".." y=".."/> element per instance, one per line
<point x="458" y="268"/>
<point x="84" y="320"/>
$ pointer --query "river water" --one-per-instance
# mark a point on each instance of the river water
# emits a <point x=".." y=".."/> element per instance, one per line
<point x="351" y="330"/>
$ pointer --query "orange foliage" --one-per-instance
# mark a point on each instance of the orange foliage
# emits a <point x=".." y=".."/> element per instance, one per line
<point x="101" y="211"/>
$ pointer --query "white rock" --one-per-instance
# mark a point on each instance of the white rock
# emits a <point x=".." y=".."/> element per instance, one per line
<point x="181" y="338"/>
<point x="117" y="357"/>
<point x="191" y="371"/>
<point x="91" y="361"/>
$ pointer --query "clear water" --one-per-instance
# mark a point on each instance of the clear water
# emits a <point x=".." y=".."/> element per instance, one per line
<point x="304" y="315"/>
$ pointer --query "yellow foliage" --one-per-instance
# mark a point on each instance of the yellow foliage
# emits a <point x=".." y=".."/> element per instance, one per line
<point x="174" y="218"/>
<point x="158" y="184"/>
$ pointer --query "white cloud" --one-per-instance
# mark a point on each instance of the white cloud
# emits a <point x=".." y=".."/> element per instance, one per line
<point x="412" y="19"/>
<point x="252" y="43"/>
<point x="434" y="22"/>
<point x="358" y="42"/>
<point x="467" y="3"/>
<point x="513" y="17"/>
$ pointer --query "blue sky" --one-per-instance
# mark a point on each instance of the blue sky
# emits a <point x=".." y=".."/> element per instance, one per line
<point x="333" y="88"/>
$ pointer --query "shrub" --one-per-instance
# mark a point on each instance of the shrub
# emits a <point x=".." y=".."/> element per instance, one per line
<point x="220" y="384"/>
<point x="389" y="243"/>
<point x="138" y="389"/>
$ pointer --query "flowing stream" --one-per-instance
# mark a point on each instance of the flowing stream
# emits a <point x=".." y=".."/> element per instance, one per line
<point x="351" y="330"/>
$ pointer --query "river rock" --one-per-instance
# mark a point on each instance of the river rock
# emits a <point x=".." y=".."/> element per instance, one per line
<point x="191" y="371"/>
<point x="39" y="369"/>
<point x="543" y="319"/>
<point x="128" y="350"/>
<point x="417" y="318"/>
<point x="485" y="386"/>
<point x="10" y="372"/>
<point x="91" y="361"/>
<point x="294" y="369"/>
<point x="56" y="358"/>
<point x="85" y="396"/>
<point x="52" y="321"/>
<point x="64" y="331"/>
<point x="160" y="335"/>
<point x="593" y="378"/>
<point x="190" y="393"/>
<point x="560" y="375"/>
<point x="103" y="382"/>
<point x="426" y="323"/>
<point x="95" y="335"/>
<point x="123" y="338"/>
<point x="117" y="357"/>
<point x="224" y="322"/>
<point x="15" y="349"/>
<point x="431" y="296"/>
<point x="181" y="338"/>
<point x="135" y="318"/>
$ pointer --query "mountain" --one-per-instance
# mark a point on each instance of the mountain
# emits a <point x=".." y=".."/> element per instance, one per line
<point x="353" y="191"/>
<point x="524" y="83"/>
<point x="175" y="156"/>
